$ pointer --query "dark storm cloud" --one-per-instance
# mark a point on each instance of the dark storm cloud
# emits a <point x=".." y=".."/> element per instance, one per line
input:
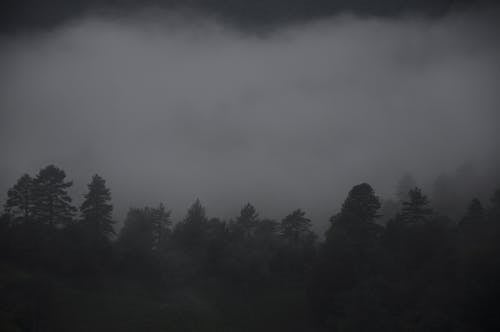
<point x="173" y="111"/>
<point x="25" y="15"/>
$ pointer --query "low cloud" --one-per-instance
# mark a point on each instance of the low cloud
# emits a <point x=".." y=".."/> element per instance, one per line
<point x="170" y="111"/>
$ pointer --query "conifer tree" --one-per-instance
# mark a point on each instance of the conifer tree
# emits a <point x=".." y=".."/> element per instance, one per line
<point x="247" y="221"/>
<point x="416" y="209"/>
<point x="295" y="226"/>
<point x="161" y="221"/>
<point x="19" y="203"/>
<point x="190" y="231"/>
<point x="361" y="205"/>
<point x="96" y="209"/>
<point x="51" y="202"/>
<point x="354" y="227"/>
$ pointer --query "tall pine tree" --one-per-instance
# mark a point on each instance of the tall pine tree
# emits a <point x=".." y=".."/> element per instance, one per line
<point x="360" y="206"/>
<point x="247" y="221"/>
<point x="96" y="209"/>
<point x="51" y="202"/>
<point x="416" y="209"/>
<point x="19" y="204"/>
<point x="190" y="232"/>
<point x="295" y="227"/>
<point x="160" y="218"/>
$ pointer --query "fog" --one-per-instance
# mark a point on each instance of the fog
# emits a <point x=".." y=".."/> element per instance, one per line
<point x="170" y="111"/>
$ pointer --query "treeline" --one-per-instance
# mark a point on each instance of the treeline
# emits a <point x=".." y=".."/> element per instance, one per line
<point x="418" y="270"/>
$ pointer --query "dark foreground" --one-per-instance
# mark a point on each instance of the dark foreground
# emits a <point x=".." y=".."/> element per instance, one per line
<point x="405" y="265"/>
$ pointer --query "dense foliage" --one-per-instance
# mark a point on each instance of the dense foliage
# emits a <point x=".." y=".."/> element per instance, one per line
<point x="418" y="270"/>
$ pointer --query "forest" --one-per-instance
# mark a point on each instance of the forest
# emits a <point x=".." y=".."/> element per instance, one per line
<point x="380" y="266"/>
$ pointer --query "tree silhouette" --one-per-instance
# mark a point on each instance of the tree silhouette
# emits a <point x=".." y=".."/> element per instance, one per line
<point x="247" y="221"/>
<point x="145" y="229"/>
<point x="295" y="227"/>
<point x="354" y="227"/>
<point x="190" y="232"/>
<point x="415" y="235"/>
<point x="161" y="225"/>
<point x="19" y="203"/>
<point x="266" y="228"/>
<point x="52" y="204"/>
<point x="350" y="252"/>
<point x="420" y="272"/>
<point x="136" y="243"/>
<point x="360" y="206"/>
<point x="416" y="208"/>
<point x="96" y="209"/>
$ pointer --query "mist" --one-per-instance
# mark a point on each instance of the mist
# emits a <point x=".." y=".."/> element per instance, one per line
<point x="171" y="110"/>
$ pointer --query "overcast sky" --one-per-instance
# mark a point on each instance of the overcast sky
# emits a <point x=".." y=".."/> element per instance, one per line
<point x="168" y="111"/>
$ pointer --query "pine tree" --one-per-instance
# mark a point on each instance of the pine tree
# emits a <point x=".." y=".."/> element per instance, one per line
<point x="190" y="231"/>
<point x="295" y="227"/>
<point x="355" y="222"/>
<point x="351" y="249"/>
<point x="51" y="202"/>
<point x="196" y="214"/>
<point x="360" y="205"/>
<point x="416" y="208"/>
<point x="19" y="204"/>
<point x="247" y="221"/>
<point x="96" y="210"/>
<point x="160" y="218"/>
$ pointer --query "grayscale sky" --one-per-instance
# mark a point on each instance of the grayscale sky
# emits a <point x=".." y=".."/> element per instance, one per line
<point x="168" y="109"/>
